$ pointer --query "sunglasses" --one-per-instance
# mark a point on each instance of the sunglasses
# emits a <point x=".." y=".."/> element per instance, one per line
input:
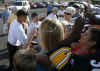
<point x="67" y="13"/>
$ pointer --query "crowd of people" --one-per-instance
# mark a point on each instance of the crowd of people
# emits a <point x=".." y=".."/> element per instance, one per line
<point x="67" y="39"/>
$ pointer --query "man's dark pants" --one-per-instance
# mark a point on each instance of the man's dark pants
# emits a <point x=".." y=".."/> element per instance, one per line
<point x="11" y="52"/>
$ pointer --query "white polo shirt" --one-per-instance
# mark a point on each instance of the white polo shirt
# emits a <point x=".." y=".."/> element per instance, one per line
<point x="16" y="35"/>
<point x="52" y="16"/>
<point x="32" y="26"/>
<point x="60" y="12"/>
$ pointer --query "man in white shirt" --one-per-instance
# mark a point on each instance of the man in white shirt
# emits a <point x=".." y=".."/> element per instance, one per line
<point x="53" y="14"/>
<point x="60" y="13"/>
<point x="16" y="36"/>
<point x="34" y="26"/>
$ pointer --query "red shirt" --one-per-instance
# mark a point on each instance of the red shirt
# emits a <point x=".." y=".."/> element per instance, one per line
<point x="77" y="48"/>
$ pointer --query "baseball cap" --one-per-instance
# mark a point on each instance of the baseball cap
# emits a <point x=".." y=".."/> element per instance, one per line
<point x="70" y="10"/>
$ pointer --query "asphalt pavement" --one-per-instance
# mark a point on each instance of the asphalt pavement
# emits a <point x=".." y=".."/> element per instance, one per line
<point x="3" y="53"/>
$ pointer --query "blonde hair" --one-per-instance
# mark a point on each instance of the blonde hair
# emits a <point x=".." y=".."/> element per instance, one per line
<point x="51" y="33"/>
<point x="25" y="60"/>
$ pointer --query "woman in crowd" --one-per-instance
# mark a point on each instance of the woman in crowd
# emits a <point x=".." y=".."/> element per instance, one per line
<point x="90" y="62"/>
<point x="68" y="14"/>
<point x="51" y="34"/>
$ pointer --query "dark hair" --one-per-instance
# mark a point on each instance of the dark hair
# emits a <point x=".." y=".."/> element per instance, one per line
<point x="24" y="60"/>
<point x="95" y="36"/>
<point x="34" y="14"/>
<point x="6" y="5"/>
<point x="21" y="13"/>
<point x="75" y="32"/>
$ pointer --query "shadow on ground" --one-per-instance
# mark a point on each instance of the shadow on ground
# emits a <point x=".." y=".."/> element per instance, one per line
<point x="4" y="56"/>
<point x="3" y="68"/>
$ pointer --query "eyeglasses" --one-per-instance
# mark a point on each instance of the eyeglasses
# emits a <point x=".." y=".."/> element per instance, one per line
<point x="67" y="13"/>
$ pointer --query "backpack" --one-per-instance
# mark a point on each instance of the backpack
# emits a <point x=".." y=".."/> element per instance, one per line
<point x="61" y="58"/>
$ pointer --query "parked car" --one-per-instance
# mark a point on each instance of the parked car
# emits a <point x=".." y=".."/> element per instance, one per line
<point x="40" y="5"/>
<point x="46" y="3"/>
<point x="96" y="5"/>
<point x="55" y="4"/>
<point x="20" y="5"/>
<point x="32" y="5"/>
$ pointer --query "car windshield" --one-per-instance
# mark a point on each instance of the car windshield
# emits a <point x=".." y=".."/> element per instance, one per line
<point x="17" y="4"/>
